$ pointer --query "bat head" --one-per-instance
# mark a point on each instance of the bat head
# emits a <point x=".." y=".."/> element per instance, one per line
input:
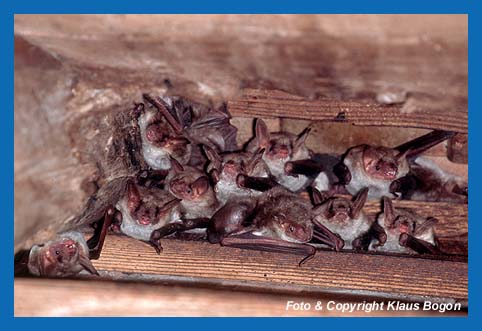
<point x="339" y="210"/>
<point x="292" y="230"/>
<point x="160" y="135"/>
<point x="62" y="257"/>
<point x="381" y="162"/>
<point x="397" y="221"/>
<point x="342" y="210"/>
<point x="189" y="184"/>
<point x="147" y="209"/>
<point x="280" y="146"/>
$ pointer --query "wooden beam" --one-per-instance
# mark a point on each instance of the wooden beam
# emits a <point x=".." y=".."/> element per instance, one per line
<point x="93" y="298"/>
<point x="273" y="103"/>
<point x="328" y="272"/>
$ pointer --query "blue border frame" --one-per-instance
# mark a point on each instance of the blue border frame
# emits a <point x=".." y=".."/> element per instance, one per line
<point x="9" y="8"/>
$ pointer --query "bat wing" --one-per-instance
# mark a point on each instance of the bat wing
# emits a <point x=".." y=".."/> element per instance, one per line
<point x="415" y="147"/>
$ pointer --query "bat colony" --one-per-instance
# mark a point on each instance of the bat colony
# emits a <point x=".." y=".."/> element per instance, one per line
<point x="198" y="181"/>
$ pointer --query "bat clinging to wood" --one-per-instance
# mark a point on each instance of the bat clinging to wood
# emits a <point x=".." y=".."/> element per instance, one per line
<point x="144" y="210"/>
<point x="176" y="127"/>
<point x="427" y="182"/>
<point x="345" y="218"/>
<point x="198" y="201"/>
<point x="405" y="231"/>
<point x="278" y="221"/>
<point x="288" y="158"/>
<point x="380" y="168"/>
<point x="226" y="169"/>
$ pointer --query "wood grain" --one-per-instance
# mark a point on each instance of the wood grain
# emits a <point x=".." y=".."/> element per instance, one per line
<point x="81" y="298"/>
<point x="273" y="103"/>
<point x="328" y="272"/>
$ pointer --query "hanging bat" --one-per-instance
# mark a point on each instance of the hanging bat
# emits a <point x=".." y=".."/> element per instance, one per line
<point x="69" y="254"/>
<point x="176" y="127"/>
<point x="145" y="209"/>
<point x="405" y="231"/>
<point x="228" y="170"/>
<point x="382" y="169"/>
<point x="344" y="217"/>
<point x="288" y="158"/>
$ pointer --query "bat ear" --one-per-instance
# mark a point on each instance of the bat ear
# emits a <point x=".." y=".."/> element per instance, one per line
<point x="301" y="139"/>
<point x="402" y="155"/>
<point x="318" y="197"/>
<point x="427" y="224"/>
<point x="262" y="133"/>
<point x="212" y="156"/>
<point x="201" y="185"/>
<point x="133" y="196"/>
<point x="87" y="265"/>
<point x="251" y="164"/>
<point x="359" y="202"/>
<point x="169" y="205"/>
<point x="176" y="166"/>
<point x="388" y="211"/>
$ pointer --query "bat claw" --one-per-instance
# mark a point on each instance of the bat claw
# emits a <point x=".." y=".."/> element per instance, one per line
<point x="157" y="246"/>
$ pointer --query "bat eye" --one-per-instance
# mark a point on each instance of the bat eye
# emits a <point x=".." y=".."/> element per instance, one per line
<point x="57" y="252"/>
<point x="189" y="190"/>
<point x="292" y="228"/>
<point x="378" y="167"/>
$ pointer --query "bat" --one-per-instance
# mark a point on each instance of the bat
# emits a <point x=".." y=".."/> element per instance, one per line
<point x="382" y="169"/>
<point x="176" y="127"/>
<point x="428" y="182"/>
<point x="405" y="231"/>
<point x="288" y="158"/>
<point x="145" y="209"/>
<point x="69" y="254"/>
<point x="344" y="217"/>
<point x="278" y="221"/>
<point x="197" y="204"/>
<point x="228" y="171"/>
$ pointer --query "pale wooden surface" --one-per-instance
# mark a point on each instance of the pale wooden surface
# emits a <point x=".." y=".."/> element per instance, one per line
<point x="81" y="298"/>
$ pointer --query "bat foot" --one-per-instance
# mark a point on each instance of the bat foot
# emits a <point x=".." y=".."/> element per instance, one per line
<point x="156" y="245"/>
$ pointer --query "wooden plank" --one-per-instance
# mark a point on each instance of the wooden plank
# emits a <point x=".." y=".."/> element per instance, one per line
<point x="327" y="273"/>
<point x="82" y="298"/>
<point x="273" y="103"/>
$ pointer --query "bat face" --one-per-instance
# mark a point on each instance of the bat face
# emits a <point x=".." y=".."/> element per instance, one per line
<point x="381" y="162"/>
<point x="345" y="217"/>
<point x="63" y="257"/>
<point x="284" y="215"/>
<point x="400" y="222"/>
<point x="190" y="186"/>
<point x="160" y="141"/>
<point x="280" y="148"/>
<point x="148" y="207"/>
<point x="374" y="167"/>
<point x="230" y="165"/>
<point x="338" y="210"/>
<point x="290" y="229"/>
